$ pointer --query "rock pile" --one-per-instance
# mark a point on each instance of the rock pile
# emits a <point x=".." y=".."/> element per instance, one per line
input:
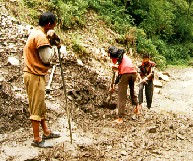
<point x="13" y="35"/>
<point x="86" y="81"/>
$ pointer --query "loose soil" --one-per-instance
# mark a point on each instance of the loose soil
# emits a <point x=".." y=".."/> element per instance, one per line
<point x="161" y="133"/>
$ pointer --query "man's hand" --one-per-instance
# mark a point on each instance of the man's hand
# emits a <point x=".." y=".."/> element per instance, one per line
<point x="115" y="67"/>
<point x="112" y="88"/>
<point x="144" y="80"/>
<point x="53" y="38"/>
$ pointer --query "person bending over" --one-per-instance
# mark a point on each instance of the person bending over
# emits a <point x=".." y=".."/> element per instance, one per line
<point x="126" y="77"/>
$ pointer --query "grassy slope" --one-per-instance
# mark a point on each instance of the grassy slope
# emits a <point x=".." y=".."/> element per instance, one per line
<point x="88" y="41"/>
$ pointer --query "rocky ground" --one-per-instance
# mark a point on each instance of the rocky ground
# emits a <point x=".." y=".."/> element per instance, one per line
<point x="161" y="133"/>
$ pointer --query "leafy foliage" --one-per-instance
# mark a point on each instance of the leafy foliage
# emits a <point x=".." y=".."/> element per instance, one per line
<point x="70" y="13"/>
<point x="113" y="14"/>
<point x="163" y="27"/>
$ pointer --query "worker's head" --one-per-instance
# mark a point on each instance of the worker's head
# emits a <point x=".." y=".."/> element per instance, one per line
<point x="120" y="53"/>
<point x="146" y="58"/>
<point x="47" y="20"/>
<point x="112" y="52"/>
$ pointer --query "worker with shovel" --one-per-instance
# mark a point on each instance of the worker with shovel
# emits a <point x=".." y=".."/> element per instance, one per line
<point x="37" y="56"/>
<point x="146" y="72"/>
<point x="126" y="77"/>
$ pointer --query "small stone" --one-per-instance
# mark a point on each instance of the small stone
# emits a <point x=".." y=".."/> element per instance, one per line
<point x="191" y="125"/>
<point x="134" y="117"/>
<point x="161" y="76"/>
<point x="157" y="84"/>
<point x="109" y="147"/>
<point x="1" y="78"/>
<point x="166" y="73"/>
<point x="152" y="130"/>
<point x="180" y="137"/>
<point x="70" y="98"/>
<point x="80" y="62"/>
<point x="124" y="153"/>
<point x="13" y="61"/>
<point x="57" y="154"/>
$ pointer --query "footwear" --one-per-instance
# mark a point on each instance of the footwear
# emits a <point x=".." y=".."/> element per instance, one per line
<point x="138" y="109"/>
<point x="41" y="144"/>
<point x="52" y="135"/>
<point x="118" y="121"/>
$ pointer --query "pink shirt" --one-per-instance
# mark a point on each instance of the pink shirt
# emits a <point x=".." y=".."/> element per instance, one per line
<point x="126" y="65"/>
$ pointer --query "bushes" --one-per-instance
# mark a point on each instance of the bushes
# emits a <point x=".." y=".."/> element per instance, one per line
<point x="70" y="13"/>
<point x="32" y="11"/>
<point x="114" y="15"/>
<point x="146" y="45"/>
<point x="174" y="53"/>
<point x="163" y="27"/>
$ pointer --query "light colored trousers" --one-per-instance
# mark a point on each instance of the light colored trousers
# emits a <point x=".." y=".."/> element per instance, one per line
<point x="35" y="88"/>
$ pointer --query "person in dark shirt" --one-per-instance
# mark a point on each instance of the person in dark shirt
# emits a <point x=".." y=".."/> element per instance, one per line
<point x="146" y="75"/>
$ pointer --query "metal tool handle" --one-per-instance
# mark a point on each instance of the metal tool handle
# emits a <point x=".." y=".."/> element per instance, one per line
<point x="51" y="76"/>
<point x="113" y="79"/>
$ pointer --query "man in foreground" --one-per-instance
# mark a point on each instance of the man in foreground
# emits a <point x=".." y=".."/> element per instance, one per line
<point x="37" y="56"/>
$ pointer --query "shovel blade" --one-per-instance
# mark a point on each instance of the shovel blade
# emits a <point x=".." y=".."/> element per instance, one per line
<point x="108" y="105"/>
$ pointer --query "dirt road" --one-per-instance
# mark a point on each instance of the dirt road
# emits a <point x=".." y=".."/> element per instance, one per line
<point x="176" y="96"/>
<point x="164" y="133"/>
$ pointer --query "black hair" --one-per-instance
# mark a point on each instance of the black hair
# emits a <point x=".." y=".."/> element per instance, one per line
<point x="146" y="55"/>
<point x="120" y="53"/>
<point x="113" y="52"/>
<point x="47" y="18"/>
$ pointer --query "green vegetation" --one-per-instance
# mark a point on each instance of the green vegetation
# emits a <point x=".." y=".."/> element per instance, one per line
<point x="161" y="27"/>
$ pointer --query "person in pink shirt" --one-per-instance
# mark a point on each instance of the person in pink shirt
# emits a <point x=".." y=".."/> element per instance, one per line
<point x="126" y="77"/>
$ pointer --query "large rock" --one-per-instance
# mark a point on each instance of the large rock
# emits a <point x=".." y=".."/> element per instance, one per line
<point x="13" y="61"/>
<point x="157" y="83"/>
<point x="162" y="76"/>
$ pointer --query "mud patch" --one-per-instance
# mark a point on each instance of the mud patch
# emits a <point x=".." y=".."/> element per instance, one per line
<point x="14" y="112"/>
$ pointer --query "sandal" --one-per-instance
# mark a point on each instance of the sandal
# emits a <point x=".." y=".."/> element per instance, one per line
<point x="41" y="144"/>
<point x="52" y="135"/>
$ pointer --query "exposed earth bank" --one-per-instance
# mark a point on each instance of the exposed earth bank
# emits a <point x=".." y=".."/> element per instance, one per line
<point x="161" y="133"/>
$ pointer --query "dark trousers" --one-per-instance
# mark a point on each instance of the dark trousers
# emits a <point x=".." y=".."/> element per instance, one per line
<point x="125" y="80"/>
<point x="148" y="92"/>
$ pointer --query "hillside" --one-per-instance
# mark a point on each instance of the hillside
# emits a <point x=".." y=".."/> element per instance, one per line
<point x="162" y="133"/>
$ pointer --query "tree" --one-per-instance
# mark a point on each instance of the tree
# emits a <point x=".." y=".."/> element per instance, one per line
<point x="189" y="5"/>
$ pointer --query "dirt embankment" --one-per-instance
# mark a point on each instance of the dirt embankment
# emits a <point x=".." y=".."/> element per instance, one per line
<point x="162" y="133"/>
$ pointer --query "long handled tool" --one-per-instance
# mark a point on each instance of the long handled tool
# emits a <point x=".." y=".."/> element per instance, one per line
<point x="48" y="87"/>
<point x="112" y="83"/>
<point x="64" y="88"/>
<point x="106" y="103"/>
